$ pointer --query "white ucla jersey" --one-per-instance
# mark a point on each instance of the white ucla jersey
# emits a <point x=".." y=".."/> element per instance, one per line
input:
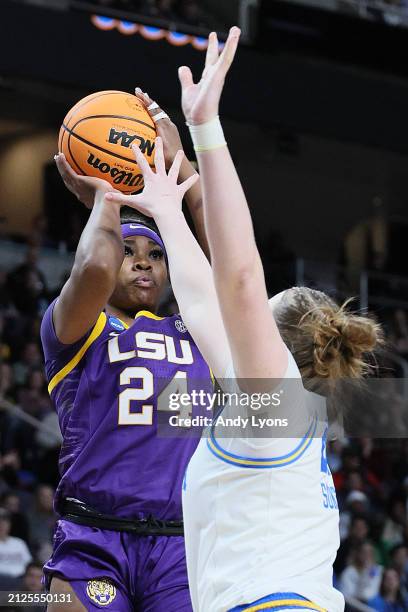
<point x="261" y="516"/>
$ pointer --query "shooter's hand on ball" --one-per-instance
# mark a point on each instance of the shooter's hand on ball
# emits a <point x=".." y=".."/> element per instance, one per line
<point x="161" y="194"/>
<point x="83" y="187"/>
<point x="200" y="101"/>
<point x="165" y="127"/>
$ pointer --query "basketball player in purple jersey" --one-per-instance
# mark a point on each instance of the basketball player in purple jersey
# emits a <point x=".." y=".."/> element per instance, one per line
<point x="118" y="544"/>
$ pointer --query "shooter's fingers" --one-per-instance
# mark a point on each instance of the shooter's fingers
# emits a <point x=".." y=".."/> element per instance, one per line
<point x="65" y="170"/>
<point x="143" y="96"/>
<point x="154" y="110"/>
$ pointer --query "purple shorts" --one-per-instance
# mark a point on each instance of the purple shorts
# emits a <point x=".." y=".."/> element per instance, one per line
<point x="121" y="572"/>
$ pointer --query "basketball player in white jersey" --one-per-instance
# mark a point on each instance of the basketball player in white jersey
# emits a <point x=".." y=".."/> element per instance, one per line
<point x="260" y="512"/>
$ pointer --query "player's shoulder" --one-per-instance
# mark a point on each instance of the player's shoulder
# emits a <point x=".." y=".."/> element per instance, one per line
<point x="46" y="320"/>
<point x="172" y="324"/>
<point x="54" y="348"/>
<point x="63" y="359"/>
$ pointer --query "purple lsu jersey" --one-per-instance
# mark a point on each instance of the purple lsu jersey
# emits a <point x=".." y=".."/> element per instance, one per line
<point x="111" y="392"/>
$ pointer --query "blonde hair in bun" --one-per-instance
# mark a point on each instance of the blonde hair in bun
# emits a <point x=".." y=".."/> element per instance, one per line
<point x="327" y="340"/>
<point x="341" y="341"/>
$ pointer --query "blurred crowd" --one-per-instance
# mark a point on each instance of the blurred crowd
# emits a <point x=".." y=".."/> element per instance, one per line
<point x="396" y="324"/>
<point x="28" y="455"/>
<point x="391" y="12"/>
<point x="371" y="477"/>
<point x="371" y="481"/>
<point x="176" y="11"/>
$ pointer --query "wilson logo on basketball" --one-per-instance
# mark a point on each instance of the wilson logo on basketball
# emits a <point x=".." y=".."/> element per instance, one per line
<point x="120" y="177"/>
<point x="126" y="140"/>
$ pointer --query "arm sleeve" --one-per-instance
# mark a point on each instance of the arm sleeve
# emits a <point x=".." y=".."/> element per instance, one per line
<point x="56" y="353"/>
<point x="50" y="343"/>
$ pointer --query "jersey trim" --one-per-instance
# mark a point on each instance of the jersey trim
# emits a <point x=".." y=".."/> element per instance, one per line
<point x="280" y="601"/>
<point x="96" y="332"/>
<point x="149" y="315"/>
<point x="270" y="462"/>
<point x="285" y="604"/>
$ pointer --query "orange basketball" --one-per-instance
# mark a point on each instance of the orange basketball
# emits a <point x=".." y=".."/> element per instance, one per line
<point x="97" y="135"/>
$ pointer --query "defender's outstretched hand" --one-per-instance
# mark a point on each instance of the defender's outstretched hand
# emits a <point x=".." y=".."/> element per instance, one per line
<point x="200" y="101"/>
<point x="161" y="193"/>
<point x="83" y="187"/>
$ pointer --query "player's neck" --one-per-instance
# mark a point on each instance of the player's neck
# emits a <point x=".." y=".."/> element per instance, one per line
<point x="126" y="316"/>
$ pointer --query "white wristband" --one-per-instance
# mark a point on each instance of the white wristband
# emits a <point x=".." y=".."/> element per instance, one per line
<point x="207" y="136"/>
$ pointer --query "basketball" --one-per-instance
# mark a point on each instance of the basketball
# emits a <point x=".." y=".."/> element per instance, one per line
<point x="97" y="135"/>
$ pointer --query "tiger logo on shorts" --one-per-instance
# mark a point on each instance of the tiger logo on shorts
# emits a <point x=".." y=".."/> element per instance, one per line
<point x="101" y="592"/>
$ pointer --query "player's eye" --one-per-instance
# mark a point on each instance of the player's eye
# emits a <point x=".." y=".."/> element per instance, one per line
<point x="128" y="251"/>
<point x="156" y="254"/>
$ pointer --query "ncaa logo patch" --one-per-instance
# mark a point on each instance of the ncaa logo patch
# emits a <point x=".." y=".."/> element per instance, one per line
<point x="116" y="324"/>
<point x="101" y="592"/>
<point x="180" y="326"/>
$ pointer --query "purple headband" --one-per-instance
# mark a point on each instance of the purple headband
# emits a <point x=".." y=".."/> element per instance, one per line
<point x="137" y="229"/>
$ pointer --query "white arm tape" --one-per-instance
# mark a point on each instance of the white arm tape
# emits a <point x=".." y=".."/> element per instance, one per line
<point x="208" y="136"/>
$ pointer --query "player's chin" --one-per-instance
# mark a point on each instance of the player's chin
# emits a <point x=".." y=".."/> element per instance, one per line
<point x="145" y="297"/>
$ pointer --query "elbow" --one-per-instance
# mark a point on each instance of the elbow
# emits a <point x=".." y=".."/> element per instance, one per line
<point x="243" y="281"/>
<point x="242" y="287"/>
<point x="242" y="275"/>
<point x="96" y="271"/>
<point x="96" y="266"/>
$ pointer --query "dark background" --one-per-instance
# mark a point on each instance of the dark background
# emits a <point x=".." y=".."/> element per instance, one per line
<point x="310" y="116"/>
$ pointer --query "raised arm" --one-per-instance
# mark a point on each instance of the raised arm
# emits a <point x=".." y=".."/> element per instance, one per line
<point x="98" y="258"/>
<point x="169" y="133"/>
<point x="190" y="271"/>
<point x="256" y="345"/>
